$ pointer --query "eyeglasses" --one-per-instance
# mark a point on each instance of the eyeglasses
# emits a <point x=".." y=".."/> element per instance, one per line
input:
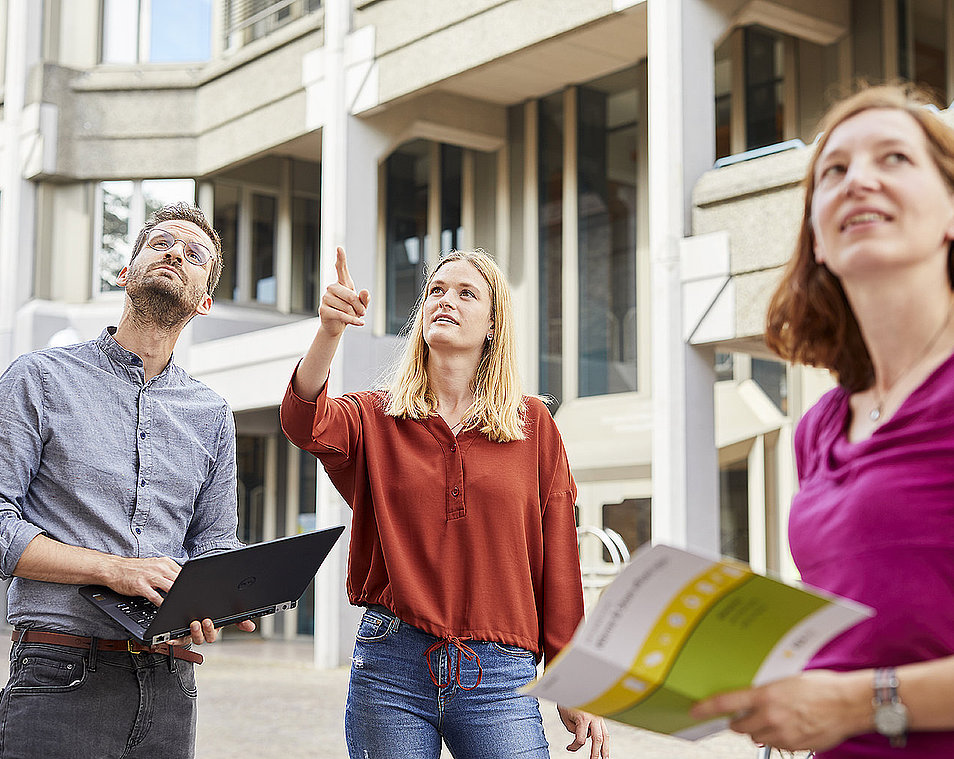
<point x="195" y="252"/>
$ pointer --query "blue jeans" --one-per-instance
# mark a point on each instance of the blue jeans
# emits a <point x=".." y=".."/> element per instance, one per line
<point x="63" y="703"/>
<point x="409" y="690"/>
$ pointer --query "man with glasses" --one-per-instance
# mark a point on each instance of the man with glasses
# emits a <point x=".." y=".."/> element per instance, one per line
<point x="115" y="467"/>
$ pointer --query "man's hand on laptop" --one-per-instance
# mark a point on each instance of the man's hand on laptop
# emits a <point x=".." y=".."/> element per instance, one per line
<point x="142" y="577"/>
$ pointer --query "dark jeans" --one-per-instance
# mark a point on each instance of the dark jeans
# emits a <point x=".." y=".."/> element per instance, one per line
<point x="65" y="703"/>
<point x="396" y="711"/>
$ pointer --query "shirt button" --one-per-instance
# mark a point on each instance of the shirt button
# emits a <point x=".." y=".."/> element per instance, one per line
<point x="142" y="483"/>
<point x="139" y="530"/>
<point x="142" y="435"/>
<point x="455" y="492"/>
<point x="453" y="447"/>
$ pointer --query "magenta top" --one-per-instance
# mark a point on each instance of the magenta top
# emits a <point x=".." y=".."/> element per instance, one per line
<point x="874" y="521"/>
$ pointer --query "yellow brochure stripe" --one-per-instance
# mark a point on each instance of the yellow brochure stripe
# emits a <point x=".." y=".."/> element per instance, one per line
<point x="667" y="637"/>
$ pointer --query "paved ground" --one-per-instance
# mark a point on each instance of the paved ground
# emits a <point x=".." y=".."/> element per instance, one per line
<point x="266" y="700"/>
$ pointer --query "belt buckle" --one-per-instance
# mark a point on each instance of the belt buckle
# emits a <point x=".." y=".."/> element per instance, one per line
<point x="138" y="650"/>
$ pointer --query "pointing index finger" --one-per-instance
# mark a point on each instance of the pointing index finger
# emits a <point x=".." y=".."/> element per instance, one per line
<point x="341" y="266"/>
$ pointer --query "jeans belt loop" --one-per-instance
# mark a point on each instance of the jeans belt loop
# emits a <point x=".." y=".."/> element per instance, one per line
<point x="93" y="648"/>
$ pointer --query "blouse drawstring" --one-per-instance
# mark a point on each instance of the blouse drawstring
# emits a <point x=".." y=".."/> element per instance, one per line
<point x="463" y="651"/>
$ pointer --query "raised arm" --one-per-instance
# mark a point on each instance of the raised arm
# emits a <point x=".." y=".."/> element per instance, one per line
<point x="341" y="305"/>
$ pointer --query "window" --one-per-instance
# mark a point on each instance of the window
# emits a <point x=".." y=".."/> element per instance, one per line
<point x="124" y="207"/>
<point x="734" y="508"/>
<point x="607" y="146"/>
<point x="305" y="229"/>
<point x="407" y="171"/>
<point x="631" y="519"/>
<point x="550" y="270"/>
<point x="156" y="31"/>
<point x="423" y="177"/>
<point x="264" y="221"/>
<point x="772" y="377"/>
<point x="764" y="57"/>
<point x="452" y="158"/>
<point x="225" y="219"/>
<point x="249" y="20"/>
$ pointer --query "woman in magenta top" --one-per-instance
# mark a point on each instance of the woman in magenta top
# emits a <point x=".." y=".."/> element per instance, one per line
<point x="463" y="541"/>
<point x="868" y="294"/>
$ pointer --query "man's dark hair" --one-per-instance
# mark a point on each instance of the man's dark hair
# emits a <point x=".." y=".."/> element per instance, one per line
<point x="185" y="212"/>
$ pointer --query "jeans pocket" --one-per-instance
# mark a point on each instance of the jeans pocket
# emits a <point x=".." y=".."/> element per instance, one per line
<point x="185" y="675"/>
<point x="374" y="626"/>
<point x="46" y="670"/>
<point x="514" y="651"/>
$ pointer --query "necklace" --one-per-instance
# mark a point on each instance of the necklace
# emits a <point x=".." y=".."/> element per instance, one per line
<point x="878" y="411"/>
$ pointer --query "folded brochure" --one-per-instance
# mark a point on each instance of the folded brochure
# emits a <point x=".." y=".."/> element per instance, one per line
<point x="675" y="627"/>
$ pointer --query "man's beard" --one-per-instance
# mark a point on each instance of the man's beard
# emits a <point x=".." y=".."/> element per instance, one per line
<point x="160" y="301"/>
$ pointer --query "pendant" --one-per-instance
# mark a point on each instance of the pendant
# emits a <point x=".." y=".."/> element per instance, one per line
<point x="875" y="414"/>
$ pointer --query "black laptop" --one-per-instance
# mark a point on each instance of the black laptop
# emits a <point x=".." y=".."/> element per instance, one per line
<point x="226" y="587"/>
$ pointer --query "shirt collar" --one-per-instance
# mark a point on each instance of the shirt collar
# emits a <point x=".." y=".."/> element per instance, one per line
<point x="129" y="360"/>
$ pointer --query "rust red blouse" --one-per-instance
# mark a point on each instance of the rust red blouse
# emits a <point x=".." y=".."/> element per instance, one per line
<point x="459" y="536"/>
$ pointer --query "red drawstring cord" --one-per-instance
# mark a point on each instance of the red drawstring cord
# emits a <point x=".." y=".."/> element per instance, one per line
<point x="463" y="651"/>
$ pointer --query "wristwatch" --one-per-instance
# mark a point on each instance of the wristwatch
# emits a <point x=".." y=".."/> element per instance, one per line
<point x="890" y="715"/>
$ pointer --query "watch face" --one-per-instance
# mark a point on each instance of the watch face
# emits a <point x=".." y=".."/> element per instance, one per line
<point x="891" y="719"/>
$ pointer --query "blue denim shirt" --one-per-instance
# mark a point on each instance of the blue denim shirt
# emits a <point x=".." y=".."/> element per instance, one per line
<point x="94" y="456"/>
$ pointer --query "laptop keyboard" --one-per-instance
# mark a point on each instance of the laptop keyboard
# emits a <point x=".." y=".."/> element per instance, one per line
<point x="140" y="610"/>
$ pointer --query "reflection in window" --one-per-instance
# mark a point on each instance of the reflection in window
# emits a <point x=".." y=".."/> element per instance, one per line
<point x="160" y="31"/>
<point x="264" y="211"/>
<point x="551" y="246"/>
<point x="115" y="245"/>
<point x="305" y="271"/>
<point x="607" y="147"/>
<point x="124" y="208"/>
<point x="226" y="223"/>
<point x="406" y="230"/>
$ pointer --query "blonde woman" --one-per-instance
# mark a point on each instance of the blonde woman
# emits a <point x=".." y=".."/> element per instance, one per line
<point x="463" y="545"/>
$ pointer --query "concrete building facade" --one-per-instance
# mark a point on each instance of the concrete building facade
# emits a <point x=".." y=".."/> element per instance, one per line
<point x="634" y="166"/>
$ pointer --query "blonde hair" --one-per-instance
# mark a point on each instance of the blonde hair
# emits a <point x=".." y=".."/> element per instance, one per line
<point x="498" y="404"/>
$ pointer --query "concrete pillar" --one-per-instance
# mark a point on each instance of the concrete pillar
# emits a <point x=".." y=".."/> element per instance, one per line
<point x="350" y="155"/>
<point x="681" y="147"/>
<point x="17" y="196"/>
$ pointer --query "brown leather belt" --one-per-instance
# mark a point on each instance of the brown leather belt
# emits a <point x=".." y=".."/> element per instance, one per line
<point x="131" y="646"/>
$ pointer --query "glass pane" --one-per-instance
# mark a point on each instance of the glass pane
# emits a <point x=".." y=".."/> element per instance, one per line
<point x="115" y="246"/>
<point x="305" y="219"/>
<point x="406" y="230"/>
<point x="226" y="220"/>
<point x="734" y="518"/>
<point x="606" y="149"/>
<point x="180" y="30"/>
<point x="157" y="193"/>
<point x="772" y="377"/>
<point x="307" y="498"/>
<point x="263" y="249"/>
<point x="250" y="463"/>
<point x="763" y="80"/>
<point x="120" y="31"/>
<point x="451" y="162"/>
<point x="631" y="519"/>
<point x="551" y="246"/>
